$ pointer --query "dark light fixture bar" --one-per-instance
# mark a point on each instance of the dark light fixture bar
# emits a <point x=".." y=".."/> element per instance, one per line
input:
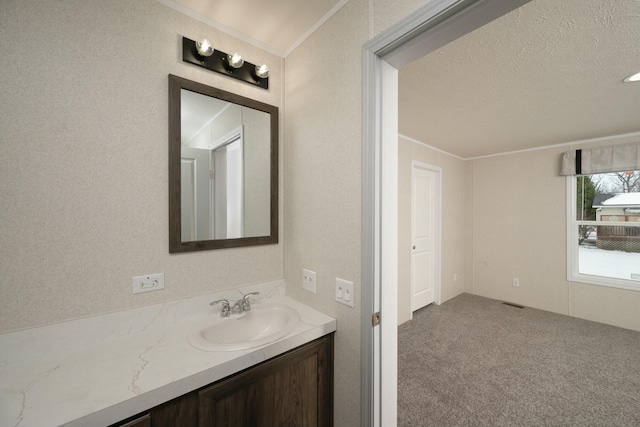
<point x="219" y="62"/>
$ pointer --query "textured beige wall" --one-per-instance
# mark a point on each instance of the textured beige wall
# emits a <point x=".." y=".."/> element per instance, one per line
<point x="323" y="184"/>
<point x="83" y="175"/>
<point x="519" y="230"/>
<point x="468" y="227"/>
<point x="388" y="12"/>
<point x="519" y="225"/>
<point x="257" y="169"/>
<point x="617" y="307"/>
<point x="455" y="238"/>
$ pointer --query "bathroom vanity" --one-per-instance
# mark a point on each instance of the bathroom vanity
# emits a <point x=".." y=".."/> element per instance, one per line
<point x="293" y="389"/>
<point x="136" y="368"/>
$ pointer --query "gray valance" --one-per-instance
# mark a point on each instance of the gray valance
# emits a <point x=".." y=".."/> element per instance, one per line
<point x="613" y="158"/>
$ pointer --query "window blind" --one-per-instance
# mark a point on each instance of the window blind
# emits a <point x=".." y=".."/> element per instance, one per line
<point x="613" y="158"/>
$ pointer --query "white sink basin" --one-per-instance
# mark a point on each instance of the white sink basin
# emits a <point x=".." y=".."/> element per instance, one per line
<point x="262" y="325"/>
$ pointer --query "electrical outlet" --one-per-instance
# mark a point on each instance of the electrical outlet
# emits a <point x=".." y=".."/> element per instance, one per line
<point x="309" y="280"/>
<point x="516" y="282"/>
<point x="148" y="283"/>
<point x="344" y="292"/>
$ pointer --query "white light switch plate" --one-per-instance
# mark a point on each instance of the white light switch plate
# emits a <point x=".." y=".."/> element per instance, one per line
<point x="309" y="280"/>
<point x="344" y="292"/>
<point x="148" y="283"/>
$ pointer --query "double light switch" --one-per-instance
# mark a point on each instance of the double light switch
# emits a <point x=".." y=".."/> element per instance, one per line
<point x="344" y="292"/>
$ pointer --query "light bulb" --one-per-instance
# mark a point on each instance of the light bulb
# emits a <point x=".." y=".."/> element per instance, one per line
<point x="633" y="78"/>
<point x="204" y="48"/>
<point x="262" y="71"/>
<point x="235" y="60"/>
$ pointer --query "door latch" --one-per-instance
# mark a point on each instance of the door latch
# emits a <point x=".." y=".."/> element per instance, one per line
<point x="376" y="319"/>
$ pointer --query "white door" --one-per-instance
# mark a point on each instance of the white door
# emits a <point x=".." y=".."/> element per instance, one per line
<point x="197" y="202"/>
<point x="220" y="192"/>
<point x="235" y="217"/>
<point x="228" y="191"/>
<point x="188" y="199"/>
<point x="424" y="233"/>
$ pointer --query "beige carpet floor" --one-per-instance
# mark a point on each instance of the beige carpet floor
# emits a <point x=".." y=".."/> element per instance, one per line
<point x="475" y="361"/>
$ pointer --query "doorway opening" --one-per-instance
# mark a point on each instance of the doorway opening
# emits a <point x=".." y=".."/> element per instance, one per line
<point x="429" y="28"/>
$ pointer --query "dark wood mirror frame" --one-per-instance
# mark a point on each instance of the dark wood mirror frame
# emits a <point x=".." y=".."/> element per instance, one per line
<point x="176" y="84"/>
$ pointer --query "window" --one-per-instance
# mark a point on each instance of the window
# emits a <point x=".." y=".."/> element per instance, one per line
<point x="604" y="229"/>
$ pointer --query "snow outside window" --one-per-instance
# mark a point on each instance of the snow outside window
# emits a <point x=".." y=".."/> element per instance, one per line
<point x="604" y="229"/>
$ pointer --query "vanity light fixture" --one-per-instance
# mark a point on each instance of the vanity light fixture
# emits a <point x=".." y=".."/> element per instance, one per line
<point x="632" y="78"/>
<point x="203" y="54"/>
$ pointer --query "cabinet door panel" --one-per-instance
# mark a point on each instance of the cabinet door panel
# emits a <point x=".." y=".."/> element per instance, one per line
<point x="282" y="392"/>
<point x="287" y="397"/>
<point x="299" y="387"/>
<point x="180" y="412"/>
<point x="231" y="410"/>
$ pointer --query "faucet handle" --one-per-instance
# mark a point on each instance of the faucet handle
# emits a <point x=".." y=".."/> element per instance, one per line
<point x="249" y="294"/>
<point x="246" y="304"/>
<point x="226" y="309"/>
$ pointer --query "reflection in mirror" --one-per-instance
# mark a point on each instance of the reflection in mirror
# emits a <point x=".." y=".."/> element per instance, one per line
<point x="223" y="169"/>
<point x="220" y="142"/>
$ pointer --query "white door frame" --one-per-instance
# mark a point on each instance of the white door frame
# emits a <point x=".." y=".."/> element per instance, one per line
<point x="429" y="28"/>
<point x="437" y="283"/>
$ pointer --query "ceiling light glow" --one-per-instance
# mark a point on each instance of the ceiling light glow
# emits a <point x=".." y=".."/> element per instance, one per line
<point x="632" y="78"/>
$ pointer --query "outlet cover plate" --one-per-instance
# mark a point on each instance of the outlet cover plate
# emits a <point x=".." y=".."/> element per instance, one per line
<point x="148" y="283"/>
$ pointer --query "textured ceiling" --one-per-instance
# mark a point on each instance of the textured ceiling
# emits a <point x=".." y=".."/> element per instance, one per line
<point x="548" y="73"/>
<point x="278" y="25"/>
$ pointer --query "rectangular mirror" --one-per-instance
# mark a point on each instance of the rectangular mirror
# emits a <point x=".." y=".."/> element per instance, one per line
<point x="223" y="169"/>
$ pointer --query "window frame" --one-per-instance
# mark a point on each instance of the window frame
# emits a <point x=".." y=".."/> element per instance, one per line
<point x="573" y="262"/>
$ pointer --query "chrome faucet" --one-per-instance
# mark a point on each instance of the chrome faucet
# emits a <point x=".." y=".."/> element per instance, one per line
<point x="226" y="308"/>
<point x="246" y="304"/>
<point x="239" y="307"/>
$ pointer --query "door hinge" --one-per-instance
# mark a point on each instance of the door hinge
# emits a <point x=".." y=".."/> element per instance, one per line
<point x="376" y="319"/>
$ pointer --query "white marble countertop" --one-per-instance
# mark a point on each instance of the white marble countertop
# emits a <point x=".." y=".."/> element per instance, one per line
<point x="103" y="369"/>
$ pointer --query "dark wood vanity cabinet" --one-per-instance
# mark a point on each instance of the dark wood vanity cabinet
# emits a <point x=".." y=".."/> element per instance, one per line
<point x="293" y="389"/>
<point x="139" y="421"/>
